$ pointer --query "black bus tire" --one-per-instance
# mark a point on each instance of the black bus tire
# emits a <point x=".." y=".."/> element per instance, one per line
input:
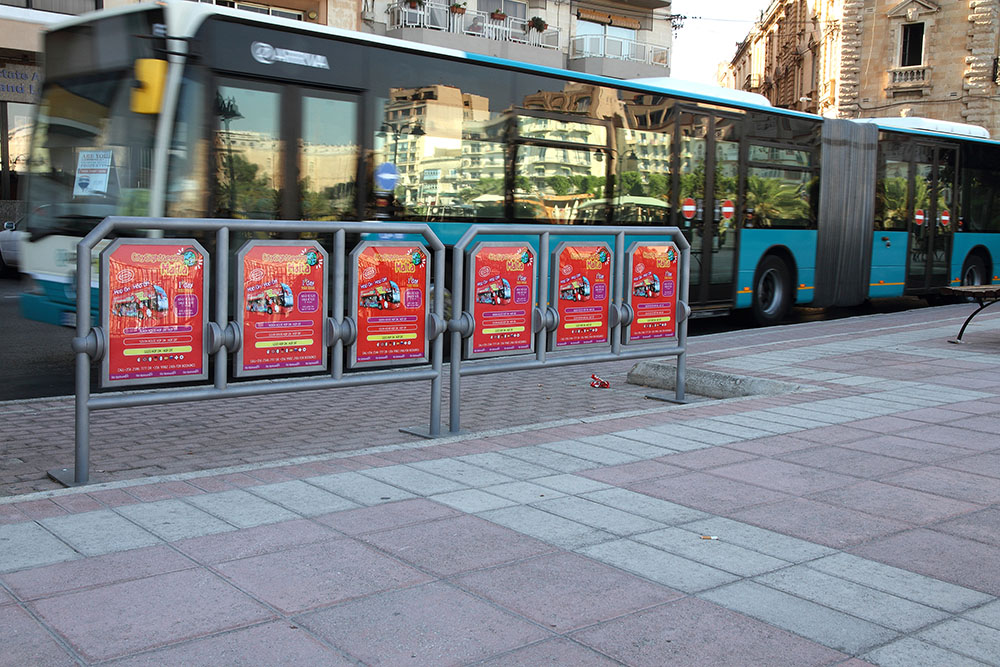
<point x="772" y="291"/>
<point x="974" y="271"/>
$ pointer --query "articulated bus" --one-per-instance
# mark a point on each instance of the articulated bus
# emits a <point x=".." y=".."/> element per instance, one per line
<point x="186" y="109"/>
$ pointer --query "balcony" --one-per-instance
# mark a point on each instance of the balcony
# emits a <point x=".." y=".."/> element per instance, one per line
<point x="909" y="79"/>
<point x="616" y="57"/>
<point x="507" y="37"/>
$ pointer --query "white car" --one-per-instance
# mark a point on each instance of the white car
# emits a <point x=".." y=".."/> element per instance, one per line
<point x="10" y="236"/>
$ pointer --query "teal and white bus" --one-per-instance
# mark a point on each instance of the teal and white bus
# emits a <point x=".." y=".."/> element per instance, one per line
<point x="186" y="109"/>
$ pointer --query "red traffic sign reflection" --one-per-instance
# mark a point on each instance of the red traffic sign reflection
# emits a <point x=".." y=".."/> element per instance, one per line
<point x="727" y="209"/>
<point x="688" y="208"/>
<point x="918" y="216"/>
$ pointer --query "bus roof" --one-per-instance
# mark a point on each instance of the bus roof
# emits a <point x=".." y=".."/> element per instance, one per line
<point x="928" y="125"/>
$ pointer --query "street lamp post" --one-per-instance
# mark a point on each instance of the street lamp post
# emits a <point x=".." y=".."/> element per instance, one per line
<point x="411" y="129"/>
<point x="227" y="111"/>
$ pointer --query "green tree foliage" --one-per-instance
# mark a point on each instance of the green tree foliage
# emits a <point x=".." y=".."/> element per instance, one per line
<point x="774" y="200"/>
<point x="560" y="184"/>
<point x="241" y="192"/>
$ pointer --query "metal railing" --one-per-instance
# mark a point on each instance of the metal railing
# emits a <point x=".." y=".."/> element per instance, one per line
<point x="908" y="76"/>
<point x="474" y="23"/>
<point x="606" y="46"/>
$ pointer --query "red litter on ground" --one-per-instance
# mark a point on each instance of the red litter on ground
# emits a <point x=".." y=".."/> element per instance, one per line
<point x="598" y="382"/>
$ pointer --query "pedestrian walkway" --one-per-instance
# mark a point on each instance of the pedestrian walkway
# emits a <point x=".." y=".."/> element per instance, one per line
<point x="854" y="519"/>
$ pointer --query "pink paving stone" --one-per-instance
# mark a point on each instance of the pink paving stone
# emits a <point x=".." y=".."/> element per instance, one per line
<point x="833" y="435"/>
<point x="386" y="516"/>
<point x="162" y="491"/>
<point x="40" y="509"/>
<point x="783" y="476"/>
<point x="11" y="514"/>
<point x="980" y="464"/>
<point x="25" y="642"/>
<point x="693" y="632"/>
<point x="981" y="526"/>
<point x="894" y="502"/>
<point x="316" y="575"/>
<point x="434" y="624"/>
<point x="710" y="457"/>
<point x="629" y="473"/>
<point x="565" y="591"/>
<point x="951" y="483"/>
<point x="813" y="521"/>
<point x="368" y="461"/>
<point x="847" y="461"/>
<point x="77" y="502"/>
<point x="458" y="544"/>
<point x="238" y="480"/>
<point x="906" y="448"/>
<point x="270" y="475"/>
<point x="958" y="435"/>
<point x="887" y="424"/>
<point x="5" y="597"/>
<point x="256" y="541"/>
<point x="707" y="492"/>
<point x="774" y="445"/>
<point x="94" y="572"/>
<point x="124" y="618"/>
<point x="559" y="651"/>
<point x="931" y="415"/>
<point x="113" y="498"/>
<point x="213" y="483"/>
<point x="279" y="643"/>
<point x="951" y="558"/>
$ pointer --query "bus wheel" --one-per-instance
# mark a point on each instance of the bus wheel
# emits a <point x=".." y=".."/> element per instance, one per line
<point x="974" y="271"/>
<point x="772" y="293"/>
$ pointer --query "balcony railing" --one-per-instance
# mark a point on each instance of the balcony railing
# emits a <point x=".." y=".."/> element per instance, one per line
<point x="438" y="16"/>
<point x="74" y="7"/>
<point x="605" y="46"/>
<point x="910" y="76"/>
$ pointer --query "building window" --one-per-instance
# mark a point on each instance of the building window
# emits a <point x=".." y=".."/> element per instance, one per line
<point x="509" y="7"/>
<point x="280" y="12"/>
<point x="912" y="53"/>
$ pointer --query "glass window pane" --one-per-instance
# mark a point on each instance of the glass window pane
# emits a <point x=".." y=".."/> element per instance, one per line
<point x="329" y="159"/>
<point x="550" y="129"/>
<point x="19" y="119"/>
<point x="186" y="180"/>
<point x="890" y="196"/>
<point x="780" y="197"/>
<point x="783" y="156"/>
<point x="558" y="185"/>
<point x="248" y="153"/>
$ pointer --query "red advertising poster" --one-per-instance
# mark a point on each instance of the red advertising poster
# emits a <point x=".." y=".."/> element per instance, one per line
<point x="582" y="292"/>
<point x="653" y="291"/>
<point x="502" y="298"/>
<point x="282" y="308"/>
<point x="154" y="311"/>
<point x="390" y="302"/>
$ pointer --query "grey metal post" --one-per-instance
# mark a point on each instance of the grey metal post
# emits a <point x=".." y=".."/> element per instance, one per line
<point x="337" y="365"/>
<point x="619" y="280"/>
<point x="457" y="306"/>
<point x="221" y="301"/>
<point x="543" y="295"/>
<point x="685" y="276"/>
<point x="437" y="353"/>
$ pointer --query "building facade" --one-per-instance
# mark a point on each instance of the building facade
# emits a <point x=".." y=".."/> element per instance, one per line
<point x="876" y="58"/>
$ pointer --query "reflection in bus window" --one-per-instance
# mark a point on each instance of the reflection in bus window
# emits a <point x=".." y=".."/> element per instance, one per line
<point x="329" y="159"/>
<point x="551" y="182"/>
<point x="187" y="178"/>
<point x="780" y="197"/>
<point x="890" y="196"/>
<point x="248" y="153"/>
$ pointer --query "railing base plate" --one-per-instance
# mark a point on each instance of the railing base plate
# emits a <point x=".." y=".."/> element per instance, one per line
<point x="65" y="476"/>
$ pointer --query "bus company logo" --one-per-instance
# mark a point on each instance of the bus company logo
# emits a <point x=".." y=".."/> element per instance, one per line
<point x="368" y="273"/>
<point x="483" y="272"/>
<point x="125" y="276"/>
<point x="256" y="274"/>
<point x="267" y="54"/>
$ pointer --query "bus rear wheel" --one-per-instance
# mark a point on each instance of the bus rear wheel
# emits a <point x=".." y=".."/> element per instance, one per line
<point x="974" y="271"/>
<point x="772" y="293"/>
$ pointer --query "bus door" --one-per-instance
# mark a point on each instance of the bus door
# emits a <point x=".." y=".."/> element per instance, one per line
<point x="283" y="151"/>
<point x="932" y="227"/>
<point x="707" y="178"/>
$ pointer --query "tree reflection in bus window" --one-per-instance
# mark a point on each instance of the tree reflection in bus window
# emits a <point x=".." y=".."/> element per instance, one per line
<point x="328" y="162"/>
<point x="890" y="196"/>
<point x="248" y="154"/>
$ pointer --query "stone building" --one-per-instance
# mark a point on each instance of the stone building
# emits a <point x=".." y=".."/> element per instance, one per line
<point x="876" y="58"/>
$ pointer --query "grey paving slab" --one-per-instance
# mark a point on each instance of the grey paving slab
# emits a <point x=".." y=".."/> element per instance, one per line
<point x="808" y="411"/>
<point x="988" y="614"/>
<point x="716" y="553"/>
<point x="765" y="541"/>
<point x="599" y="516"/>
<point x="777" y="417"/>
<point x="852" y="598"/>
<point x="770" y="426"/>
<point x="661" y="511"/>
<point x="902" y="583"/>
<point x="686" y="438"/>
<point x="506" y="465"/>
<point x="302" y="498"/>
<point x="413" y="480"/>
<point x="473" y="501"/>
<point x="821" y="624"/>
<point x="459" y="471"/>
<point x="657" y="565"/>
<point x="965" y="637"/>
<point x="622" y="443"/>
<point x="909" y="652"/>
<point x="734" y="430"/>
<point x="173" y="520"/>
<point x="601" y="455"/>
<point x="25" y="545"/>
<point x="359" y="488"/>
<point x="99" y="532"/>
<point x="524" y="493"/>
<point x="550" y="460"/>
<point x="241" y="508"/>
<point x="547" y="527"/>
<point x="571" y="484"/>
<point x="836" y="407"/>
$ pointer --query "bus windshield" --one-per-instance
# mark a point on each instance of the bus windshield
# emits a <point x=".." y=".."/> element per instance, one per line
<point x="91" y="156"/>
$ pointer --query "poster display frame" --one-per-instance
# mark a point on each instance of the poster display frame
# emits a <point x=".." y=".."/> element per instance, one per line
<point x="630" y="297"/>
<point x="471" y="303"/>
<point x="240" y="305"/>
<point x="355" y="305"/>
<point x="105" y="310"/>
<point x="555" y="270"/>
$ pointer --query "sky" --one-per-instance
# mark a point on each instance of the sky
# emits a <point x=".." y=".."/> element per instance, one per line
<point x="710" y="34"/>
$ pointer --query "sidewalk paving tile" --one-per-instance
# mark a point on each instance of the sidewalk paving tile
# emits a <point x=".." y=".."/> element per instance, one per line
<point x="472" y="501"/>
<point x="707" y="492"/>
<point x="413" y="480"/>
<point x="716" y="553"/>
<point x="123" y="618"/>
<point x="464" y="473"/>
<point x="571" y="484"/>
<point x="99" y="532"/>
<point x="386" y="516"/>
<point x="965" y="637"/>
<point x="564" y="592"/>
<point x="680" y="573"/>
<point x="173" y="519"/>
<point x="895" y="502"/>
<point x="686" y="438"/>
<point x="908" y="449"/>
<point x="26" y="642"/>
<point x="241" y="508"/>
<point x="603" y="517"/>
<point x="821" y="624"/>
<point x="661" y="511"/>
<point x="908" y="652"/>
<point x="981" y="526"/>
<point x="698" y="633"/>
<point x="524" y="493"/>
<point x="450" y="546"/>
<point x="554" y="461"/>
<point x="552" y="652"/>
<point x="988" y="614"/>
<point x="852" y="598"/>
<point x="621" y="441"/>
<point x="547" y="527"/>
<point x="628" y="473"/>
<point x="394" y="628"/>
<point x="767" y="542"/>
<point x="302" y="498"/>
<point x="783" y="476"/>
<point x="358" y="488"/>
<point x="265" y="539"/>
<point x="24" y="545"/>
<point x="829" y="525"/>
<point x="847" y="461"/>
<point x="581" y="450"/>
<point x="314" y="575"/>
<point x="981" y="464"/>
<point x="507" y="465"/>
<point x="950" y="483"/>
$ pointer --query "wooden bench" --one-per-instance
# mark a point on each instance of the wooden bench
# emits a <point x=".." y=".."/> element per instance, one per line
<point x="984" y="295"/>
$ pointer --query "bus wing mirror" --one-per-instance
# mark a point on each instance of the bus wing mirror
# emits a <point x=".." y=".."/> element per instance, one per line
<point x="150" y="81"/>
